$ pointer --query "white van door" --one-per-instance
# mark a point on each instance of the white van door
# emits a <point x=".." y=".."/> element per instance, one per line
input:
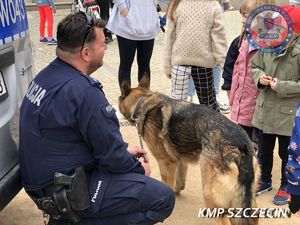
<point x="16" y="71"/>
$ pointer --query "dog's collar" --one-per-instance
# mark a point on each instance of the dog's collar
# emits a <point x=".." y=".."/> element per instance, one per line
<point x="134" y="116"/>
<point x="138" y="106"/>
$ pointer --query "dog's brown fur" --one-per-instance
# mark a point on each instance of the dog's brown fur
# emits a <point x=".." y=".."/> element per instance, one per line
<point x="178" y="132"/>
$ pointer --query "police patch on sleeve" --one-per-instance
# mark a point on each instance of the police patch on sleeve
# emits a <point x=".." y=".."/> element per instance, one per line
<point x="108" y="110"/>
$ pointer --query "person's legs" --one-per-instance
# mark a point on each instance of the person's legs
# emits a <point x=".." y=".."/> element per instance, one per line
<point x="249" y="130"/>
<point x="282" y="197"/>
<point x="127" y="50"/>
<point x="217" y="71"/>
<point x="104" y="9"/>
<point x="204" y="85"/>
<point x="266" y="146"/>
<point x="42" y="21"/>
<point x="104" y="14"/>
<point x="49" y="16"/>
<point x="144" y="54"/>
<point x="284" y="142"/>
<point x="180" y="76"/>
<point x="133" y="199"/>
<point x="191" y="90"/>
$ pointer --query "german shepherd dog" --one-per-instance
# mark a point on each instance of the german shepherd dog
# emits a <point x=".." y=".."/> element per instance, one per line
<point x="178" y="132"/>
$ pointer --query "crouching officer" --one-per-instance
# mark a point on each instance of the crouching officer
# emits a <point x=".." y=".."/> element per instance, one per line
<point x="74" y="163"/>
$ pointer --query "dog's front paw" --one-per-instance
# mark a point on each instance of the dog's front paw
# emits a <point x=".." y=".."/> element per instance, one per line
<point x="178" y="189"/>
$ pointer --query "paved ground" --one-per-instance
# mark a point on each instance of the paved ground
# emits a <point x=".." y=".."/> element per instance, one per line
<point x="21" y="211"/>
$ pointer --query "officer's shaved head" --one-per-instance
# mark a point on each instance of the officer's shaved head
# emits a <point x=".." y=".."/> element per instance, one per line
<point x="75" y="30"/>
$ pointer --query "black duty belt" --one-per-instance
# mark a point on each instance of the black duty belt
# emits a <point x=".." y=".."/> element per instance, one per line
<point x="66" y="198"/>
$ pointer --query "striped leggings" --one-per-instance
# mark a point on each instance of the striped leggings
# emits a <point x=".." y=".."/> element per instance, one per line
<point x="203" y="80"/>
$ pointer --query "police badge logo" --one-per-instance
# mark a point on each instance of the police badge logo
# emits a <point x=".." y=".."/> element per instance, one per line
<point x="269" y="23"/>
<point x="269" y="28"/>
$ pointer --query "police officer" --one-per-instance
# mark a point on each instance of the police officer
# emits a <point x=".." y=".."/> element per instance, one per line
<point x="66" y="122"/>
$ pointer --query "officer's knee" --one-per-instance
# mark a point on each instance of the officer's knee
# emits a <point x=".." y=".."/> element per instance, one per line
<point x="170" y="199"/>
<point x="167" y="199"/>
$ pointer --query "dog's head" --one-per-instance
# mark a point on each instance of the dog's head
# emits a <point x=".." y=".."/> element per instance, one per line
<point x="130" y="96"/>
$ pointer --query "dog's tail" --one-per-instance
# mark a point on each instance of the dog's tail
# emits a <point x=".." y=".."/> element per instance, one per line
<point x="246" y="185"/>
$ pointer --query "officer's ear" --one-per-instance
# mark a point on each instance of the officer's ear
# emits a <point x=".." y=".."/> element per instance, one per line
<point x="85" y="54"/>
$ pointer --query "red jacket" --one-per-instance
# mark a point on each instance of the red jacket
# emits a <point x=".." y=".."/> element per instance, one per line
<point x="243" y="92"/>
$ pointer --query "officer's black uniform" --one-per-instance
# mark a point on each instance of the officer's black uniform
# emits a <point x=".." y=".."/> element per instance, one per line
<point x="66" y="122"/>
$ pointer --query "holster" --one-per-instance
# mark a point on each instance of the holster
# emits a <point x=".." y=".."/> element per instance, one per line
<point x="66" y="198"/>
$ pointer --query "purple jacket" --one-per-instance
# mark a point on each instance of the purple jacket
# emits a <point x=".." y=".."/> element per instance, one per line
<point x="243" y="91"/>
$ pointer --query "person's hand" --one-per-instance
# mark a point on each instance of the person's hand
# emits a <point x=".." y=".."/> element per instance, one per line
<point x="273" y="84"/>
<point x="294" y="203"/>
<point x="265" y="80"/>
<point x="168" y="76"/>
<point x="54" y="10"/>
<point x="137" y="152"/>
<point x="124" y="12"/>
<point x="146" y="166"/>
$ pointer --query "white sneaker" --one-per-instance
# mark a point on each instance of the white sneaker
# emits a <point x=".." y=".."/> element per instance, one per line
<point x="223" y="107"/>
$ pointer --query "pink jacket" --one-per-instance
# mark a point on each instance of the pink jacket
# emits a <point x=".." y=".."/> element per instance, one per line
<point x="243" y="91"/>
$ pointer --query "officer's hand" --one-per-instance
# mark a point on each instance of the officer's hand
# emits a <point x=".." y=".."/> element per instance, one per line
<point x="146" y="166"/>
<point x="137" y="152"/>
<point x="294" y="203"/>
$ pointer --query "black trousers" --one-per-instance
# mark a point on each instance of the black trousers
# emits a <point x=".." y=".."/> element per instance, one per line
<point x="129" y="201"/>
<point x="266" y="146"/>
<point x="253" y="132"/>
<point x="104" y="13"/>
<point x="127" y="49"/>
<point x="204" y="84"/>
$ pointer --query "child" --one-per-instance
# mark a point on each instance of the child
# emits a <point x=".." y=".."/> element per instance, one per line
<point x="277" y="76"/>
<point x="46" y="10"/>
<point x="217" y="71"/>
<point x="244" y="92"/>
<point x="293" y="164"/>
<point x="199" y="44"/>
<point x="232" y="54"/>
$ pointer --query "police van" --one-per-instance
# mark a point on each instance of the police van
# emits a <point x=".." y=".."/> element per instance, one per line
<point x="16" y="71"/>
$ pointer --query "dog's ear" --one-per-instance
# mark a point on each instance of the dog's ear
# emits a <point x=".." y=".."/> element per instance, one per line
<point x="145" y="81"/>
<point x="125" y="88"/>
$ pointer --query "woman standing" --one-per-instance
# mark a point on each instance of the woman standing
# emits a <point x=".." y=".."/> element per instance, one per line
<point x="136" y="24"/>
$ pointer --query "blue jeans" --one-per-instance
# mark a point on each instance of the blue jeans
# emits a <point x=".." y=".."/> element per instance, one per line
<point x="191" y="90"/>
<point x="217" y="71"/>
<point x="217" y="80"/>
